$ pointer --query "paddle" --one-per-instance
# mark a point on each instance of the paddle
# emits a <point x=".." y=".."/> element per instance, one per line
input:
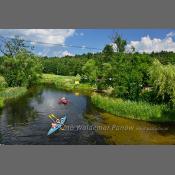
<point x="51" y="116"/>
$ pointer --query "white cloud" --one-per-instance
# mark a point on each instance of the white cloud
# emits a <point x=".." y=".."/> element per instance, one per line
<point x="171" y="34"/>
<point x="66" y="53"/>
<point x="148" y="44"/>
<point x="54" y="52"/>
<point x="57" y="36"/>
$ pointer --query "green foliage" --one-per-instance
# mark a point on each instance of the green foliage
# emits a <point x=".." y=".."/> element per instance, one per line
<point x="90" y="71"/>
<point x="1" y="102"/>
<point x="108" y="52"/>
<point x="104" y="79"/>
<point x="67" y="66"/>
<point x="134" y="110"/>
<point x="130" y="74"/>
<point x="22" y="70"/>
<point x="165" y="57"/>
<point x="3" y="83"/>
<point x="163" y="79"/>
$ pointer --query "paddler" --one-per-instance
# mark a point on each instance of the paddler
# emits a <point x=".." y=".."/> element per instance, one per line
<point x="55" y="122"/>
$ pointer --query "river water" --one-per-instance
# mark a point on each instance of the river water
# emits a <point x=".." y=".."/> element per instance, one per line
<point x="24" y="121"/>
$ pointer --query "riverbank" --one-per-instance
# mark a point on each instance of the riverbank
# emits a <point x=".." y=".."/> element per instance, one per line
<point x="66" y="83"/>
<point x="11" y="92"/>
<point x="118" y="107"/>
<point x="133" y="110"/>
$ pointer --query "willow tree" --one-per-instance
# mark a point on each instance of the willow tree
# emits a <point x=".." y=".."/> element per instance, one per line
<point x="163" y="79"/>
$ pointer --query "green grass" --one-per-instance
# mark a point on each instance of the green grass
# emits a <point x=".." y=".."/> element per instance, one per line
<point x="65" y="82"/>
<point x="11" y="92"/>
<point x="133" y="110"/>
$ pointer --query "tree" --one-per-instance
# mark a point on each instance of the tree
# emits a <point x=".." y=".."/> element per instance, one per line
<point x="108" y="50"/>
<point x="129" y="75"/>
<point x="120" y="42"/>
<point x="163" y="80"/>
<point x="90" y="71"/>
<point x="24" y="69"/>
<point x="103" y="76"/>
<point x="12" y="46"/>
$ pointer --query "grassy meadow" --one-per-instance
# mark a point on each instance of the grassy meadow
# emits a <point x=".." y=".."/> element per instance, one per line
<point x="66" y="82"/>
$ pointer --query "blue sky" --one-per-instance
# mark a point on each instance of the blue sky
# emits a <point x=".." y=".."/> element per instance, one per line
<point x="144" y="40"/>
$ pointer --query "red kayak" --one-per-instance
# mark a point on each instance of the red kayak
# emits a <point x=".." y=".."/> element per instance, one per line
<point x="63" y="101"/>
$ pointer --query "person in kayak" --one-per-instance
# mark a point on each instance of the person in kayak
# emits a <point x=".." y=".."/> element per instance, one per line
<point x="54" y="124"/>
<point x="55" y="120"/>
<point x="63" y="100"/>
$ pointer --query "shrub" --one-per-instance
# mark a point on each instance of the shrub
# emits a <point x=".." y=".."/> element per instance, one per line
<point x="22" y="70"/>
<point x="3" y="83"/>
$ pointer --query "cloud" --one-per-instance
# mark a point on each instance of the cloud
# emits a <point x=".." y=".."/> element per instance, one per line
<point x="57" y="36"/>
<point x="148" y="44"/>
<point x="171" y="34"/>
<point x="54" y="52"/>
<point x="66" y="53"/>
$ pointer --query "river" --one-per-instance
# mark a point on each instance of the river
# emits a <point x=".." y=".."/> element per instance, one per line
<point x="24" y="121"/>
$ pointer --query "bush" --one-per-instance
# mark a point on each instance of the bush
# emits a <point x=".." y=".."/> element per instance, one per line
<point x="22" y="70"/>
<point x="3" y="83"/>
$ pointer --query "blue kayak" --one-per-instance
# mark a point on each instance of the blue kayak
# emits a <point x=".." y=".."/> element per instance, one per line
<point x="58" y="126"/>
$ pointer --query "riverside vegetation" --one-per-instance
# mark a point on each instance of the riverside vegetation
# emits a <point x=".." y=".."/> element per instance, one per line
<point x="132" y="85"/>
